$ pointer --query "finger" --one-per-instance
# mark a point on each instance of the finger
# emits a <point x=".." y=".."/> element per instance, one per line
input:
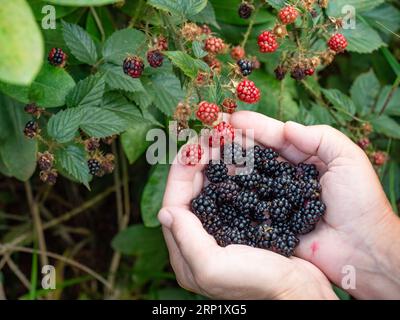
<point x="194" y="243"/>
<point x="182" y="271"/>
<point x="323" y="141"/>
<point x="269" y="132"/>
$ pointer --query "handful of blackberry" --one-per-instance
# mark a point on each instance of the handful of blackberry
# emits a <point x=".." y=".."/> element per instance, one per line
<point x="267" y="206"/>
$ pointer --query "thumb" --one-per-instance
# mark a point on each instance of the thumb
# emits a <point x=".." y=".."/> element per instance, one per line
<point x="321" y="140"/>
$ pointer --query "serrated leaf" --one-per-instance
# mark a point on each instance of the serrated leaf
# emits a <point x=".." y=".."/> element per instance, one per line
<point x="385" y="18"/>
<point x="153" y="192"/>
<point x="185" y="8"/>
<point x="186" y="63"/>
<point x="364" y="91"/>
<point x="363" y="39"/>
<point x="198" y="49"/>
<point x="17" y="153"/>
<point x="393" y="105"/>
<point x="134" y="140"/>
<point x="82" y="3"/>
<point x="122" y="43"/>
<point x="22" y="48"/>
<point x="87" y="93"/>
<point x="387" y="126"/>
<point x="80" y="43"/>
<point x="100" y="123"/>
<point x="116" y="79"/>
<point x="207" y="16"/>
<point x="340" y="101"/>
<point x="63" y="125"/>
<point x="72" y="159"/>
<point x="120" y="106"/>
<point x="335" y="7"/>
<point x="167" y="92"/>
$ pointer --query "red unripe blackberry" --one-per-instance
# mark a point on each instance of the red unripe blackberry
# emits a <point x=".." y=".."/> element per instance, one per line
<point x="222" y="133"/>
<point x="337" y="42"/>
<point x="155" y="58"/>
<point x="288" y="14"/>
<point x="247" y="92"/>
<point x="245" y="10"/>
<point x="207" y="112"/>
<point x="213" y="63"/>
<point x="237" y="53"/>
<point x="309" y="71"/>
<point x="379" y="158"/>
<point x="267" y="42"/>
<point x="229" y="105"/>
<point x="161" y="43"/>
<point x="133" y="67"/>
<point x="214" y="45"/>
<point x="191" y="154"/>
<point x="364" y="143"/>
<point x="31" y="129"/>
<point x="33" y="109"/>
<point x="57" y="57"/>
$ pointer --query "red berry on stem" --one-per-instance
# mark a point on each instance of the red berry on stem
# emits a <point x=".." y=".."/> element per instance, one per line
<point x="337" y="42"/>
<point x="191" y="154"/>
<point x="379" y="158"/>
<point x="214" y="45"/>
<point x="288" y="14"/>
<point x="155" y="58"/>
<point x="222" y="133"/>
<point x="161" y="43"/>
<point x="133" y="67"/>
<point x="207" y="112"/>
<point x="237" y="53"/>
<point x="229" y="105"/>
<point x="267" y="42"/>
<point x="248" y="92"/>
<point x="309" y="71"/>
<point x="364" y="143"/>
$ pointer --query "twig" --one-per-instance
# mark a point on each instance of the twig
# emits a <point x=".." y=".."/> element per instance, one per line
<point x="280" y="101"/>
<point x="390" y="95"/>
<point x="250" y="27"/>
<point x="99" y="24"/>
<point x="117" y="183"/>
<point x="37" y="221"/>
<point x="14" y="268"/>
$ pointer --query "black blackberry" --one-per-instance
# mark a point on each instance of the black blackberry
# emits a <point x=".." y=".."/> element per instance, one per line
<point x="31" y="129"/>
<point x="285" y="168"/>
<point x="227" y="191"/>
<point x="246" y="202"/>
<point x="298" y="73"/>
<point x="57" y="57"/>
<point x="280" y="73"/>
<point x="306" y="170"/>
<point x="203" y="206"/>
<point x="246" y="66"/>
<point x="216" y="172"/>
<point x="281" y="186"/>
<point x="261" y="211"/>
<point x="254" y="157"/>
<point x="285" y="244"/>
<point x="235" y="236"/>
<point x="295" y="194"/>
<point x="266" y="188"/>
<point x="94" y="166"/>
<point x="227" y="213"/>
<point x="311" y="189"/>
<point x="266" y="236"/>
<point x="210" y="191"/>
<point x="269" y="167"/>
<point x="279" y="209"/>
<point x="250" y="180"/>
<point x="240" y="222"/>
<point x="245" y="10"/>
<point x="307" y="217"/>
<point x="232" y="153"/>
<point x="155" y="58"/>
<point x="133" y="66"/>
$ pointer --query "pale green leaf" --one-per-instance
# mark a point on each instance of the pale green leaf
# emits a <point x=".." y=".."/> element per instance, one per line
<point x="88" y="92"/>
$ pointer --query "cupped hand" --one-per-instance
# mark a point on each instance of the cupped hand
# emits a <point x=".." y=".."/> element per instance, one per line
<point x="236" y="271"/>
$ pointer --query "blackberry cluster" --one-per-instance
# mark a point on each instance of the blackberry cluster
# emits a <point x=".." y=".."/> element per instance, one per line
<point x="94" y="166"/>
<point x="246" y="66"/>
<point x="268" y="204"/>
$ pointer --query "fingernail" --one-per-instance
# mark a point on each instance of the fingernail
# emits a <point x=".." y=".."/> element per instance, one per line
<point x="165" y="218"/>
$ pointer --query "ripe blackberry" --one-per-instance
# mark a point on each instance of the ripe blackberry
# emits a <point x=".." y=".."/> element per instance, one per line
<point x="279" y="209"/>
<point x="227" y="191"/>
<point x="261" y="211"/>
<point x="281" y="185"/>
<point x="210" y="191"/>
<point x="298" y="73"/>
<point x="267" y="42"/>
<point x="306" y="218"/>
<point x="31" y="129"/>
<point x="227" y="213"/>
<point x="203" y="206"/>
<point x="294" y="193"/>
<point x="216" y="172"/>
<point x="266" y="236"/>
<point x="280" y="73"/>
<point x="247" y="92"/>
<point x="155" y="58"/>
<point x="246" y="202"/>
<point x="249" y="180"/>
<point x="133" y="67"/>
<point x="311" y="188"/>
<point x="285" y="244"/>
<point x="285" y="168"/>
<point x="235" y="236"/>
<point x="245" y="10"/>
<point x="304" y="170"/>
<point x="57" y="57"/>
<point x="94" y="166"/>
<point x="266" y="188"/>
<point x="270" y="167"/>
<point x="246" y="66"/>
<point x="241" y="222"/>
<point x="232" y="153"/>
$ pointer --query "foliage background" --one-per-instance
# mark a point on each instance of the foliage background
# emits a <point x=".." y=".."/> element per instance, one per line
<point x="105" y="241"/>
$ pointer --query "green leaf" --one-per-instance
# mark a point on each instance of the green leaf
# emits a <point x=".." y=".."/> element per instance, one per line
<point x="17" y="153"/>
<point x="116" y="79"/>
<point x="72" y="159"/>
<point x="364" y="91"/>
<point x="363" y="39"/>
<point x="63" y="126"/>
<point x="80" y="43"/>
<point x="82" y="3"/>
<point x="185" y="8"/>
<point x="100" y="122"/>
<point x="186" y="63"/>
<point x="207" y="16"/>
<point x="134" y="140"/>
<point x="153" y="192"/>
<point x="121" y="107"/>
<point x="88" y="92"/>
<point x="198" y="49"/>
<point x="37" y="6"/>
<point x="167" y="92"/>
<point x="340" y="101"/>
<point x="385" y="18"/>
<point x="393" y="106"/>
<point x="335" y="7"/>
<point x="122" y="43"/>
<point x="139" y="240"/>
<point x="22" y="49"/>
<point x="387" y="126"/>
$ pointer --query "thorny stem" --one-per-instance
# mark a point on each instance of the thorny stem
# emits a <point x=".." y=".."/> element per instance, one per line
<point x="250" y="27"/>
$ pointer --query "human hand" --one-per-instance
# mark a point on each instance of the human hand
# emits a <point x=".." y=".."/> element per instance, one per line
<point x="359" y="228"/>
<point x="236" y="271"/>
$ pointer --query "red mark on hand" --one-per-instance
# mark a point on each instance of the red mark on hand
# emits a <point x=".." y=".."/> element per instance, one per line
<point x="314" y="248"/>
